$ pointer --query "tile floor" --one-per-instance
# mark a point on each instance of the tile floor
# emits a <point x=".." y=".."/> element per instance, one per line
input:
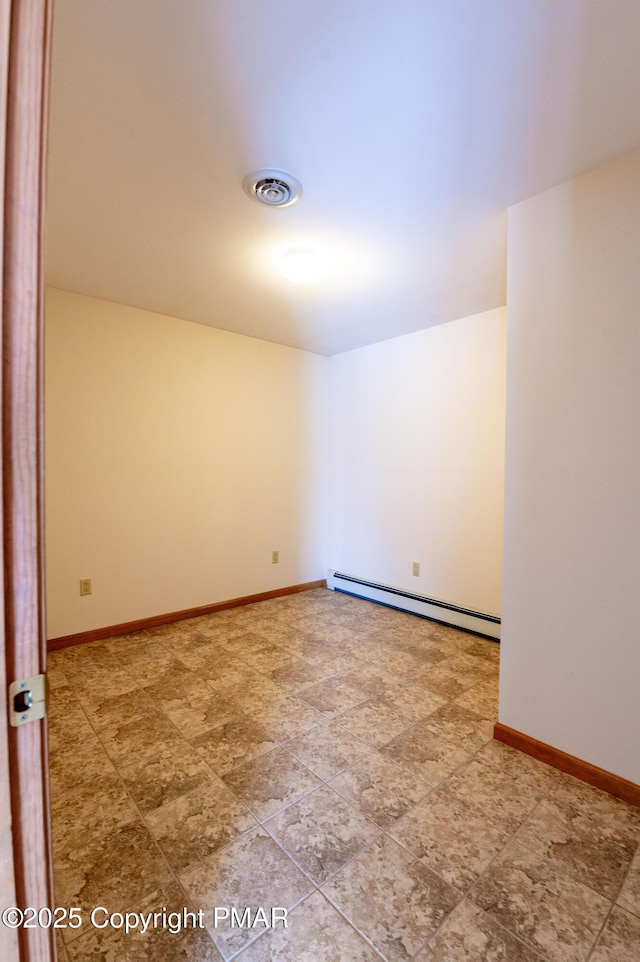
<point x="325" y="755"/>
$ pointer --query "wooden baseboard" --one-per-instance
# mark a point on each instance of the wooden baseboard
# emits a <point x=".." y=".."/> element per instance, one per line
<point x="613" y="784"/>
<point x="112" y="631"/>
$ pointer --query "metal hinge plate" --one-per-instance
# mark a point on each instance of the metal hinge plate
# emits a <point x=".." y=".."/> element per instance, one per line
<point x="27" y="700"/>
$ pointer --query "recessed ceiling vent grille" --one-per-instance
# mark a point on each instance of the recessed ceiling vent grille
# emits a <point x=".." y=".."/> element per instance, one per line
<point x="273" y="188"/>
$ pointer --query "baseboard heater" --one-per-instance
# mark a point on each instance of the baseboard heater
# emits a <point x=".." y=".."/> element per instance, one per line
<point x="443" y="612"/>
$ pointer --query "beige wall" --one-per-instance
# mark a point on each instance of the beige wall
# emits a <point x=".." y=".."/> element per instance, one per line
<point x="417" y="429"/>
<point x="177" y="458"/>
<point x="570" y="667"/>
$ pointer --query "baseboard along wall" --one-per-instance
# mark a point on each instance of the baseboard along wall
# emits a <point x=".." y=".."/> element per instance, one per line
<point x="598" y="777"/>
<point x="112" y="631"/>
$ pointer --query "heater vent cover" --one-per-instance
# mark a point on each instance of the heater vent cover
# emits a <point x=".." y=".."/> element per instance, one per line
<point x="272" y="187"/>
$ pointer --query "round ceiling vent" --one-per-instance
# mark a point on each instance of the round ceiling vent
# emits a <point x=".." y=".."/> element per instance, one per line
<point x="273" y="188"/>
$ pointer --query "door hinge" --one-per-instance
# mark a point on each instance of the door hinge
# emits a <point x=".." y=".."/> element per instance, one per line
<point x="27" y="700"/>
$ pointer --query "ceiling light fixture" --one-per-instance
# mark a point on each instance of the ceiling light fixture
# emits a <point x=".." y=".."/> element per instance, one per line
<point x="272" y="187"/>
<point x="302" y="266"/>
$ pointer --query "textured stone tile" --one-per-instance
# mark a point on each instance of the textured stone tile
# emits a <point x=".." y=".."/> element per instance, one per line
<point x="232" y="744"/>
<point x="285" y="716"/>
<point x="496" y="795"/>
<point x="321" y="832"/>
<point x="112" y="711"/>
<point x="67" y="723"/>
<point x="77" y="765"/>
<point x="414" y="700"/>
<point x="546" y="908"/>
<point x="327" y="749"/>
<point x="599" y="860"/>
<point x="117" y="869"/>
<point x="629" y="897"/>
<point x="620" y="939"/>
<point x="157" y="944"/>
<point x="194" y="825"/>
<point x="254" y="872"/>
<point x="316" y="932"/>
<point x="333" y="697"/>
<point x="374" y="722"/>
<point x="144" y="658"/>
<point x="470" y="935"/>
<point x="173" y="772"/>
<point x="444" y="834"/>
<point x="271" y="782"/>
<point x="143" y="737"/>
<point x="524" y="768"/>
<point x="170" y="687"/>
<point x="55" y="673"/>
<point x="465" y="727"/>
<point x="591" y="810"/>
<point x="200" y="711"/>
<point x="430" y="754"/>
<point x="295" y="674"/>
<point x="79" y="814"/>
<point x="266" y="658"/>
<point x="444" y="681"/>
<point x="380" y="789"/>
<point x="373" y="679"/>
<point x="402" y="909"/>
<point x="105" y="682"/>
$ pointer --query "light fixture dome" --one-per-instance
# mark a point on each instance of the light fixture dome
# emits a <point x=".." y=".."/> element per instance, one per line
<point x="272" y="187"/>
<point x="301" y="266"/>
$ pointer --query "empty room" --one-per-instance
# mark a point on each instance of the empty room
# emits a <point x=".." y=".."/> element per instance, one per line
<point x="332" y="649"/>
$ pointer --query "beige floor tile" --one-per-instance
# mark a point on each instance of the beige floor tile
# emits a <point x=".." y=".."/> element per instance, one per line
<point x="79" y="765"/>
<point x="295" y="674"/>
<point x="591" y="810"/>
<point x="157" y="944"/>
<point x="266" y="658"/>
<point x="270" y="782"/>
<point x="414" y="700"/>
<point x="597" y="859"/>
<point x="254" y="872"/>
<point x="286" y="716"/>
<point x="545" y="907"/>
<point x="200" y="710"/>
<point x="333" y="697"/>
<point x="444" y="681"/>
<point x="430" y="754"/>
<point x="380" y="789"/>
<point x="404" y="907"/>
<point x="143" y="737"/>
<point x="445" y="834"/>
<point x="375" y="722"/>
<point x="629" y="897"/>
<point x="620" y="939"/>
<point x="206" y="724"/>
<point x="80" y="814"/>
<point x="176" y="770"/>
<point x="327" y="749"/>
<point x="315" y="932"/>
<point x="502" y="798"/>
<point x="116" y="869"/>
<point x="321" y="832"/>
<point x="470" y="935"/>
<point x="112" y="711"/>
<point x="372" y="679"/>
<point x="229" y="745"/>
<point x="198" y="823"/>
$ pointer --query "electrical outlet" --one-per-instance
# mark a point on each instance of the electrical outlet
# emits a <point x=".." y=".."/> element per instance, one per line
<point x="275" y="557"/>
<point x="416" y="569"/>
<point x="85" y="586"/>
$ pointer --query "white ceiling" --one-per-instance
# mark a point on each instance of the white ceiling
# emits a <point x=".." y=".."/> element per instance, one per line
<point x="412" y="125"/>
